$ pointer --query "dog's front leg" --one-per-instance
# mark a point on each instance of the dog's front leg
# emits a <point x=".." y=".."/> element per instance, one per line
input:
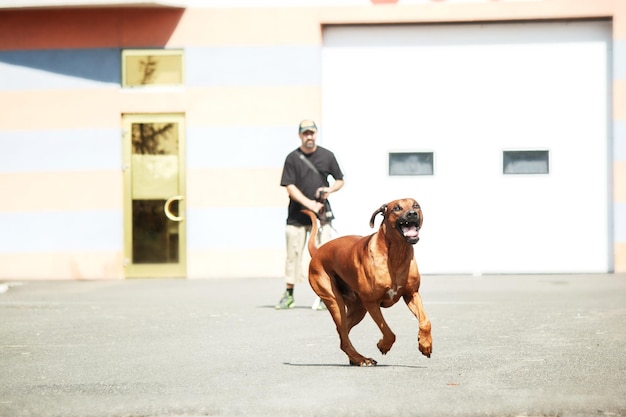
<point x="424" y="338"/>
<point x="384" y="344"/>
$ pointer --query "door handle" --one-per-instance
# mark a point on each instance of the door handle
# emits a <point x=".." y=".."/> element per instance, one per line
<point x="168" y="213"/>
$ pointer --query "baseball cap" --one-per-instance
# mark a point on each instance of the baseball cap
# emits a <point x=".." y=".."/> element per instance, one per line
<point x="307" y="125"/>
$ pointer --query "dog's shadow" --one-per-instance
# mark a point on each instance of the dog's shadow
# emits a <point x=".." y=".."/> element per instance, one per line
<point x="291" y="308"/>
<point x="345" y="365"/>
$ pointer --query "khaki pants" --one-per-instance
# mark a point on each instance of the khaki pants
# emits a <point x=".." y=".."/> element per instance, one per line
<point x="298" y="258"/>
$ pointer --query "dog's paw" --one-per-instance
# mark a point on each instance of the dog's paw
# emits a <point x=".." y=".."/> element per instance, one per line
<point x="425" y="342"/>
<point x="384" y="345"/>
<point x="363" y="362"/>
<point x="426" y="348"/>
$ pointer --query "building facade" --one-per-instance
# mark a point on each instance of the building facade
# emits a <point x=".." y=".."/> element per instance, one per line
<point x="146" y="138"/>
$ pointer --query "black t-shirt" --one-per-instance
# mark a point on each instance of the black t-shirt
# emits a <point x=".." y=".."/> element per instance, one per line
<point x="298" y="173"/>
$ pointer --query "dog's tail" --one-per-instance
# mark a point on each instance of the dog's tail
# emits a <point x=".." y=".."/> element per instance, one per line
<point x="313" y="235"/>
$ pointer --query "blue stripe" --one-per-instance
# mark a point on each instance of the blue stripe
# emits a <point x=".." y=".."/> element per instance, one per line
<point x="60" y="150"/>
<point x="211" y="66"/>
<point x="240" y="147"/>
<point x="619" y="59"/>
<point x="246" y="66"/>
<point x="236" y="228"/>
<point x="59" y="68"/>
<point x="101" y="149"/>
<point x="61" y="231"/>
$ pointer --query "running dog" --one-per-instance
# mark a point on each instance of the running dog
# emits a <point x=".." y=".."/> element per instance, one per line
<point x="355" y="275"/>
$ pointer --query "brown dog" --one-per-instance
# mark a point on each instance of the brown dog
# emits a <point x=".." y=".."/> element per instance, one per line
<point x="355" y="275"/>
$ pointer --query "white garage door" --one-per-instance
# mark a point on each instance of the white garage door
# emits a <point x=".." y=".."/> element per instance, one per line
<point x="472" y="96"/>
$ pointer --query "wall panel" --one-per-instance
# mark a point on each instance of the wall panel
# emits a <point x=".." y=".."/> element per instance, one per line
<point x="78" y="264"/>
<point x="60" y="150"/>
<point x="29" y="192"/>
<point x="244" y="147"/>
<point x="59" y="69"/>
<point x="61" y="231"/>
<point x="90" y="27"/>
<point x="253" y="106"/>
<point x="236" y="263"/>
<point x="253" y="66"/>
<point x="235" y="187"/>
<point x="228" y="27"/>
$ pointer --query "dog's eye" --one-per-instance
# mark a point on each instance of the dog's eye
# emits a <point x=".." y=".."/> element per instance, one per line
<point x="416" y="206"/>
<point x="397" y="207"/>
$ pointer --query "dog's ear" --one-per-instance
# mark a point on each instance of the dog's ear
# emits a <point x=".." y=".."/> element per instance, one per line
<point x="380" y="210"/>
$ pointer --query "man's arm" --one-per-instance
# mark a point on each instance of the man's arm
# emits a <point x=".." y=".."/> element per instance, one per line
<point x="296" y="195"/>
<point x="335" y="186"/>
<point x="325" y="191"/>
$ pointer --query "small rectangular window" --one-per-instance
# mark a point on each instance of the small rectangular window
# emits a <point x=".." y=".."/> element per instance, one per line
<point x="152" y="67"/>
<point x="525" y="162"/>
<point x="411" y="163"/>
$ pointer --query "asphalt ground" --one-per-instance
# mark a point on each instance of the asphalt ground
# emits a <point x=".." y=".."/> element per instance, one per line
<point x="535" y="345"/>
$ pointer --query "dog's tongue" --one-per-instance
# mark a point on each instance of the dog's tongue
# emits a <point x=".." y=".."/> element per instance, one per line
<point x="410" y="231"/>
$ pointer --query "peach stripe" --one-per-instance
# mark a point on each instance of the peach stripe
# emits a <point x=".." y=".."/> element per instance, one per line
<point x="230" y="106"/>
<point x="255" y="188"/>
<point x="474" y="11"/>
<point x="58" y="109"/>
<point x="91" y="190"/>
<point x="236" y="263"/>
<point x="100" y="108"/>
<point x="619" y="20"/>
<point x="248" y="26"/>
<point x="75" y="265"/>
<point x="620" y="257"/>
<point x="206" y="106"/>
<point x="253" y="106"/>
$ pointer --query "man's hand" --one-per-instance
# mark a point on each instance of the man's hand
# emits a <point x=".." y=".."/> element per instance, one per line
<point x="296" y="194"/>
<point x="314" y="206"/>
<point x="321" y="194"/>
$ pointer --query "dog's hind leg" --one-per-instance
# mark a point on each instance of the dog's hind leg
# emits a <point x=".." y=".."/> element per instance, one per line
<point x="351" y="315"/>
<point x="330" y="293"/>
<point x="355" y="311"/>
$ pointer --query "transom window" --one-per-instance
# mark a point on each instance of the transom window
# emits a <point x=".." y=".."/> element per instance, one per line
<point x="411" y="163"/>
<point x="152" y="67"/>
<point x="525" y="162"/>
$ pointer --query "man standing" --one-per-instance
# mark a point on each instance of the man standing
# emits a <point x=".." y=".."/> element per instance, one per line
<point x="307" y="187"/>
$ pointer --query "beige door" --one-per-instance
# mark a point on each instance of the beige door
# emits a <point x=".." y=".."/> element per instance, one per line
<point x="154" y="195"/>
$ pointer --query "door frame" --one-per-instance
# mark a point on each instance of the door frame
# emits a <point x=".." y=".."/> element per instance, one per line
<point x="153" y="270"/>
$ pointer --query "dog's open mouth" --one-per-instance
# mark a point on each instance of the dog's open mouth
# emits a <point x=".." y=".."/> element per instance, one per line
<point x="410" y="230"/>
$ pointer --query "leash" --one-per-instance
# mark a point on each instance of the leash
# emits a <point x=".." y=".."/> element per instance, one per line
<point x="326" y="210"/>
<point x="332" y="227"/>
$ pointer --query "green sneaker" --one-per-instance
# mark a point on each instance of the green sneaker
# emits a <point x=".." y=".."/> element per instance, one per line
<point x="286" y="302"/>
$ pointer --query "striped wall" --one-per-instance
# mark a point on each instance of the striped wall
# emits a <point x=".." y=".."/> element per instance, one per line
<point x="245" y="92"/>
<point x="251" y="75"/>
<point x="259" y="72"/>
<point x="619" y="134"/>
